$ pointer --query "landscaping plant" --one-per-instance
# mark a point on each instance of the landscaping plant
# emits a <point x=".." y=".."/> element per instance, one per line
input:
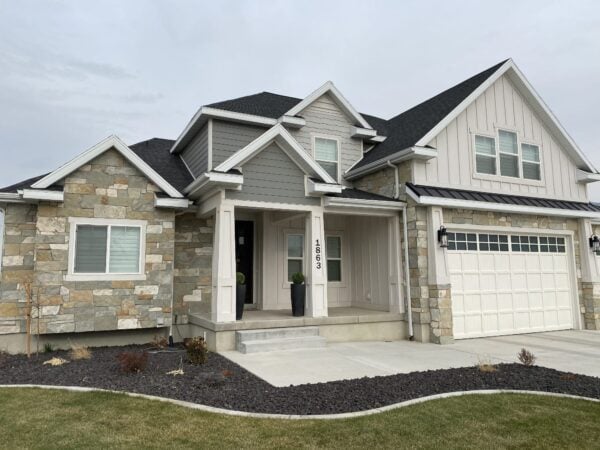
<point x="160" y="342"/>
<point x="526" y="357"/>
<point x="197" y="350"/>
<point x="485" y="365"/>
<point x="55" y="362"/>
<point x="80" y="352"/>
<point x="48" y="348"/>
<point x="133" y="362"/>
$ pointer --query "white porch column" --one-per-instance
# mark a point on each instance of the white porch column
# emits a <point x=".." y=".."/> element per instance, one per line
<point x="396" y="294"/>
<point x="223" y="269"/>
<point x="316" y="289"/>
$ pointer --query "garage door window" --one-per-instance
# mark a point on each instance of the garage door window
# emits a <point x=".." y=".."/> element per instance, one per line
<point x="485" y="242"/>
<point x="462" y="241"/>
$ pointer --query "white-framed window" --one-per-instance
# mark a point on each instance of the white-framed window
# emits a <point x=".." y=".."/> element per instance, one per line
<point x="508" y="150"/>
<point x="295" y="254"/>
<point x="326" y="151"/>
<point x="530" y="156"/>
<point x="1" y="236"/>
<point x="104" y="249"/>
<point x="485" y="154"/>
<point x="334" y="258"/>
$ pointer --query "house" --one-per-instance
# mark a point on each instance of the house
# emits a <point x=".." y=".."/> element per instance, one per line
<point x="465" y="216"/>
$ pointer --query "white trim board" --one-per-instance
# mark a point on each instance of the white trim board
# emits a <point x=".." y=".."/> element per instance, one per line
<point x="97" y="150"/>
<point x="420" y="153"/>
<point x="340" y="100"/>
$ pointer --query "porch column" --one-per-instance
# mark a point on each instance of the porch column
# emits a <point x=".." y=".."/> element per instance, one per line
<point x="223" y="268"/>
<point x="316" y="289"/>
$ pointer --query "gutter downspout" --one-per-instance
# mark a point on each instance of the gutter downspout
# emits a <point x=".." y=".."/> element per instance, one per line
<point x="411" y="335"/>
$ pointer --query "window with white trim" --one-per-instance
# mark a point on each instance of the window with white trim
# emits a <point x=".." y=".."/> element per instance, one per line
<point x="530" y="155"/>
<point x="485" y="155"/>
<point x="327" y="155"/>
<point x="1" y="237"/>
<point x="509" y="154"/>
<point x="334" y="258"/>
<point x="295" y="254"/>
<point x="107" y="249"/>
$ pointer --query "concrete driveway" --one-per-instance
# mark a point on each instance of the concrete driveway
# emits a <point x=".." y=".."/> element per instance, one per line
<point x="571" y="351"/>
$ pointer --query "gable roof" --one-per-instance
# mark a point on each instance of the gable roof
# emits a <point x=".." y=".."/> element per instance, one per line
<point x="287" y="143"/>
<point x="98" y="149"/>
<point x="25" y="184"/>
<point x="265" y="104"/>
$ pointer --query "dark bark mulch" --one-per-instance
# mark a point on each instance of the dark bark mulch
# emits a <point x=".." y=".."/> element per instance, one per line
<point x="223" y="384"/>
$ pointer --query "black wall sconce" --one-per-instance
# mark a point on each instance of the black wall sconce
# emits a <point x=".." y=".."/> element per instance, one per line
<point x="443" y="237"/>
<point x="595" y="244"/>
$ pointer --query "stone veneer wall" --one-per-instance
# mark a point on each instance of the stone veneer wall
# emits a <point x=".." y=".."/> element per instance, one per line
<point x="193" y="266"/>
<point x="109" y="188"/>
<point x="591" y="299"/>
<point x="17" y="265"/>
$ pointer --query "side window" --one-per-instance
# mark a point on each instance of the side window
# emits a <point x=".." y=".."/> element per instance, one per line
<point x="485" y="155"/>
<point x="334" y="258"/>
<point x="1" y="237"/>
<point x="531" y="161"/>
<point x="295" y="254"/>
<point x="327" y="155"/>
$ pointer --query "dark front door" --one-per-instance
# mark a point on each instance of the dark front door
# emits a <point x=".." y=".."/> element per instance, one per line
<point x="244" y="253"/>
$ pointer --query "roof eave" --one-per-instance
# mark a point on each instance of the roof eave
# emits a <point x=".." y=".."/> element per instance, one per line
<point x="419" y="153"/>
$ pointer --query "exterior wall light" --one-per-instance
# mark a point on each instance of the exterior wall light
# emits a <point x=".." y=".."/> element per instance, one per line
<point x="595" y="244"/>
<point x="443" y="237"/>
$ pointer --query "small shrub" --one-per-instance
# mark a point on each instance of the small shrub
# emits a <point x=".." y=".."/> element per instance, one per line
<point x="568" y="377"/>
<point x="298" y="278"/>
<point x="197" y="350"/>
<point x="526" y="357"/>
<point x="160" y="342"/>
<point x="48" y="348"/>
<point x="227" y="373"/>
<point x="80" y="352"/>
<point x="133" y="362"/>
<point x="486" y="366"/>
<point x="55" y="362"/>
<point x="240" y="278"/>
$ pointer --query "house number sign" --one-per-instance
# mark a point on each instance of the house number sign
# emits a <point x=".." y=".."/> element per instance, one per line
<point x="318" y="254"/>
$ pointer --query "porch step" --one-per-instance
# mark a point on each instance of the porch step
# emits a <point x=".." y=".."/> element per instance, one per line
<point x="274" y="339"/>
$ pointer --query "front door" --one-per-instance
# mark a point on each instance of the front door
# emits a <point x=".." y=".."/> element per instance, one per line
<point x="244" y="253"/>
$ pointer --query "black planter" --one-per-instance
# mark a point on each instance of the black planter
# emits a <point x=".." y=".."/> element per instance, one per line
<point x="298" y="293"/>
<point x="240" y="299"/>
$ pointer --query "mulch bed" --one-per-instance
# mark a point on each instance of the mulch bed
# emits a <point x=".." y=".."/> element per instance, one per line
<point x="223" y="384"/>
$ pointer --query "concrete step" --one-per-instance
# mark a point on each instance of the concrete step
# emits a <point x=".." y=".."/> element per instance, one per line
<point x="273" y="345"/>
<point x="273" y="339"/>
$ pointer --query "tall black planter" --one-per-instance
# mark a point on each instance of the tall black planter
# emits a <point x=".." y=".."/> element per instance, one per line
<point x="240" y="299"/>
<point x="298" y="292"/>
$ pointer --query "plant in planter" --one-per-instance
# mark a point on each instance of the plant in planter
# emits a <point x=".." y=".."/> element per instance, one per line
<point x="298" y="294"/>
<point x="240" y="295"/>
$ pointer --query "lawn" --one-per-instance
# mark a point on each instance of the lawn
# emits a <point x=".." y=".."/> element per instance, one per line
<point x="35" y="418"/>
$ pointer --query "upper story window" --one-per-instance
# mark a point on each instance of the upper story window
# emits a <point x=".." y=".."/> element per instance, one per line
<point x="504" y="155"/>
<point x="327" y="155"/>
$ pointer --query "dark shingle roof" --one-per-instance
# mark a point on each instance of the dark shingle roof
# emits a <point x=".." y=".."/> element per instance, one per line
<point x="508" y="199"/>
<point x="405" y="130"/>
<point x="156" y="153"/>
<point x="361" y="195"/>
<point x="22" y="184"/>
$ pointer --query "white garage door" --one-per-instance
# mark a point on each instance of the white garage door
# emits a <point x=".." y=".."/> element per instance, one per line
<point x="509" y="284"/>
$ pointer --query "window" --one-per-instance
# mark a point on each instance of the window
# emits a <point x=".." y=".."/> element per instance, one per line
<point x="485" y="154"/>
<point x="326" y="154"/>
<point x="295" y="254"/>
<point x="500" y="242"/>
<point x="1" y="236"/>
<point x="334" y="258"/>
<point x="107" y="249"/>
<point x="509" y="154"/>
<point x="462" y="241"/>
<point x="493" y="242"/>
<point x="531" y="161"/>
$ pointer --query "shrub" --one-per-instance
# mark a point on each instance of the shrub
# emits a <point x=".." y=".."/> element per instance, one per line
<point x="240" y="278"/>
<point x="298" y="278"/>
<point x="486" y="366"/>
<point x="526" y="357"/>
<point x="48" y="348"/>
<point x="80" y="352"/>
<point x="197" y="351"/>
<point x="133" y="362"/>
<point x="160" y="342"/>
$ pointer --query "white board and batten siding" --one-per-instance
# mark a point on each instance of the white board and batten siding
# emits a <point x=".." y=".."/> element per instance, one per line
<point x="500" y="106"/>
<point x="324" y="118"/>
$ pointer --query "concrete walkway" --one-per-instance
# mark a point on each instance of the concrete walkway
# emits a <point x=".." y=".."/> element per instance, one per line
<point x="571" y="351"/>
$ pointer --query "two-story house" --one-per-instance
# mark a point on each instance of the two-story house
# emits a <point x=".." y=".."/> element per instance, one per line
<point x="465" y="216"/>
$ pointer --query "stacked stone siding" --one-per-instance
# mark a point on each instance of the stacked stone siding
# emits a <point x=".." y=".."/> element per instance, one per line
<point x="193" y="266"/>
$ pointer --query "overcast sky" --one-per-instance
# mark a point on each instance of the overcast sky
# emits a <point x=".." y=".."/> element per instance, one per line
<point x="73" y="72"/>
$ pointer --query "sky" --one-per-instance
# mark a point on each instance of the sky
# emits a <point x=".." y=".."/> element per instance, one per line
<point x="73" y="72"/>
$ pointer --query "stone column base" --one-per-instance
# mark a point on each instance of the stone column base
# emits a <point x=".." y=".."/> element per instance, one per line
<point x="591" y="302"/>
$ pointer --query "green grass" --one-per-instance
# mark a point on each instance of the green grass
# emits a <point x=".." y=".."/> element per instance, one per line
<point x="36" y="418"/>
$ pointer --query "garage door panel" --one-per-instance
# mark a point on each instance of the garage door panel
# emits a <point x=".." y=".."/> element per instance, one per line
<point x="519" y="289"/>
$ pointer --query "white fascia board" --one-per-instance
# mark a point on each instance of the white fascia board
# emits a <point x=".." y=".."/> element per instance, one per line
<point x="361" y="203"/>
<point x="97" y="150"/>
<point x="173" y="203"/>
<point x="377" y="139"/>
<point x="420" y="153"/>
<point x="292" y="122"/>
<point x="317" y="189"/>
<point x="587" y="177"/>
<point x="362" y="133"/>
<point x="287" y="143"/>
<point x="211" y="179"/>
<point x="42" y="194"/>
<point x="11" y="197"/>
<point x="206" y="112"/>
<point x="341" y="101"/>
<point x="499" y="207"/>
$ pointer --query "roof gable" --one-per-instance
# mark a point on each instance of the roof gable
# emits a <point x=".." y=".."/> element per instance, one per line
<point x="98" y="149"/>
